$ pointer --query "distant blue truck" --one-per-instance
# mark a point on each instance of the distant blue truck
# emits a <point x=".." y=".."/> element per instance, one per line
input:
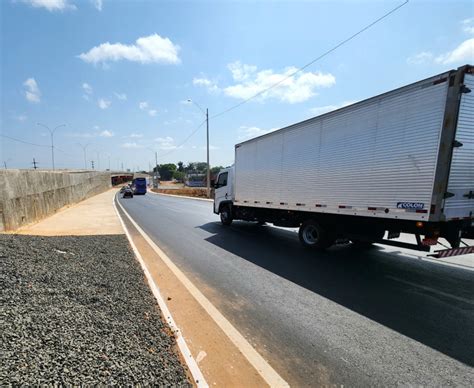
<point x="139" y="186"/>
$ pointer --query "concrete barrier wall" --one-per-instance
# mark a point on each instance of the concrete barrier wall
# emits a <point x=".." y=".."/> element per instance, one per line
<point x="27" y="196"/>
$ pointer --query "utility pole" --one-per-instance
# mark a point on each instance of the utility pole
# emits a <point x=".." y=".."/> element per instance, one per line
<point x="51" y="132"/>
<point x="92" y="164"/>
<point x="34" y="163"/>
<point x="5" y="164"/>
<point x="206" y="113"/>
<point x="122" y="166"/>
<point x="208" y="183"/>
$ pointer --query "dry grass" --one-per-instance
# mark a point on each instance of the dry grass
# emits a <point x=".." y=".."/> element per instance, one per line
<point x="187" y="191"/>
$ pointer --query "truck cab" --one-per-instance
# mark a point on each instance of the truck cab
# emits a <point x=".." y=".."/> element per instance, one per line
<point x="224" y="194"/>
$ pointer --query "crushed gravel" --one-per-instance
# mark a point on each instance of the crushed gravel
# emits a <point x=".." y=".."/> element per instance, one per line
<point x="77" y="310"/>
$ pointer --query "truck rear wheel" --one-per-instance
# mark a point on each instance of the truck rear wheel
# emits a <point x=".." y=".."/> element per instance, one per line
<point x="226" y="215"/>
<point x="313" y="236"/>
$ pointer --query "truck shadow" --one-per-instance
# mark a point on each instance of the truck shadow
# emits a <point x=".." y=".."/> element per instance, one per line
<point x="428" y="302"/>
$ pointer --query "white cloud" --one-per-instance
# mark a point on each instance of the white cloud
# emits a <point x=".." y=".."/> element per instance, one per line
<point x="51" y="5"/>
<point x="32" y="92"/>
<point x="131" y="145"/>
<point x="85" y="97"/>
<point x="97" y="4"/>
<point x="463" y="53"/>
<point x="297" y="88"/>
<point x="207" y="83"/>
<point x="95" y="133"/>
<point x="87" y="88"/>
<point x="143" y="105"/>
<point x="106" y="133"/>
<point x="249" y="81"/>
<point x="82" y="134"/>
<point x="166" y="143"/>
<point x="21" y="117"/>
<point x="241" y="72"/>
<point x="251" y="132"/>
<point x="420" y="58"/>
<point x="185" y="102"/>
<point x="319" y="110"/>
<point x="152" y="112"/>
<point x="103" y="104"/>
<point x="121" y="96"/>
<point x="148" y="49"/>
<point x="135" y="135"/>
<point x="468" y="25"/>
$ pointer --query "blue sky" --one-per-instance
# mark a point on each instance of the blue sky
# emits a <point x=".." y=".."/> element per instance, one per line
<point x="119" y="73"/>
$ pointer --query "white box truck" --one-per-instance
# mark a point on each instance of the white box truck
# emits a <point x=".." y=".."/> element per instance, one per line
<point x="402" y="161"/>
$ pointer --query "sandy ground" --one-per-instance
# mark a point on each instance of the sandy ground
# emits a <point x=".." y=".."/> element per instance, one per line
<point x="93" y="216"/>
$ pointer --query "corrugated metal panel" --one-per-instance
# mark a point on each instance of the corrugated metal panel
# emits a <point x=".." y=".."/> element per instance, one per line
<point x="372" y="154"/>
<point x="461" y="174"/>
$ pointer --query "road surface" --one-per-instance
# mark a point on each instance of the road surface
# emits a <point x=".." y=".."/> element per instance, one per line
<point x="347" y="317"/>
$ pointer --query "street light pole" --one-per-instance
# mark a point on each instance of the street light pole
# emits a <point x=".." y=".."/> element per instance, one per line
<point x="84" y="147"/>
<point x="208" y="178"/>
<point x="51" y="132"/>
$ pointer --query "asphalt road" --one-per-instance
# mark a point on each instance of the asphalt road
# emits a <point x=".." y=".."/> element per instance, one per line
<point x="347" y="317"/>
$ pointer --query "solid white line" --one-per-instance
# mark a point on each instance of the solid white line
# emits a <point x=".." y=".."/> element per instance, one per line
<point x="256" y="360"/>
<point x="183" y="196"/>
<point x="183" y="347"/>
<point x="445" y="294"/>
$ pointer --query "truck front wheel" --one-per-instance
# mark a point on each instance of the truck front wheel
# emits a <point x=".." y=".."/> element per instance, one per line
<point x="313" y="236"/>
<point x="226" y="215"/>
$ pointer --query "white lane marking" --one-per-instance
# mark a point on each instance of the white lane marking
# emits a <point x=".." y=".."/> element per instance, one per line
<point x="256" y="360"/>
<point x="183" y="347"/>
<point x="445" y="294"/>
<point x="183" y="196"/>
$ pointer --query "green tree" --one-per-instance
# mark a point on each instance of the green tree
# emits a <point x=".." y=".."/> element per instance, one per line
<point x="190" y="167"/>
<point x="201" y="167"/>
<point x="166" y="171"/>
<point x="215" y="170"/>
<point x="179" y="175"/>
<point x="180" y="166"/>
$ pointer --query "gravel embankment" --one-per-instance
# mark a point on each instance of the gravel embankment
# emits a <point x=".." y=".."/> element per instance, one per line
<point x="77" y="310"/>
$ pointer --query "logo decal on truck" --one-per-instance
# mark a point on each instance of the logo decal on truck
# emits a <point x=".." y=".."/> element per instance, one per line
<point x="410" y="205"/>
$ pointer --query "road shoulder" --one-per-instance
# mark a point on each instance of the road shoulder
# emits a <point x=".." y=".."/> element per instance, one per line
<point x="220" y="360"/>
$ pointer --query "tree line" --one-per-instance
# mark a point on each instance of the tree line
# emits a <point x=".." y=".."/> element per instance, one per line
<point x="178" y="171"/>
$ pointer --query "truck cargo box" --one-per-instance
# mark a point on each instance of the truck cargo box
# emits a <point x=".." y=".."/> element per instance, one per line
<point x="407" y="154"/>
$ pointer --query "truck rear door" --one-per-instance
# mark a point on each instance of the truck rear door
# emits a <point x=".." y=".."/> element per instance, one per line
<point x="461" y="175"/>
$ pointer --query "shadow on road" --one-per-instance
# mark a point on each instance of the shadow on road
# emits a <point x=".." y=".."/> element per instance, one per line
<point x="428" y="302"/>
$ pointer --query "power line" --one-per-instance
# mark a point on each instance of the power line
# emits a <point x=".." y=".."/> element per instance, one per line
<point x="292" y="74"/>
<point x="184" y="141"/>
<point x="313" y="61"/>
<point x="36" y="145"/>
<point x="24" y="142"/>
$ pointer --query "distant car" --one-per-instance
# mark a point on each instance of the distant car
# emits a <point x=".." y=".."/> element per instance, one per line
<point x="127" y="193"/>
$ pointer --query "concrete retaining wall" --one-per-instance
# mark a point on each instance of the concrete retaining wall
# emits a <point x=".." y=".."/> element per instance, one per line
<point x="27" y="196"/>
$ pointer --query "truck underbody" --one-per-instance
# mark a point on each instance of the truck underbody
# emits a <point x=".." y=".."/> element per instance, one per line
<point x="321" y="230"/>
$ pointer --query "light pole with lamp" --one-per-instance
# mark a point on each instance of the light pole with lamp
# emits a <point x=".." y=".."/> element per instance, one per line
<point x="51" y="132"/>
<point x="208" y="178"/>
<point x="84" y="148"/>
